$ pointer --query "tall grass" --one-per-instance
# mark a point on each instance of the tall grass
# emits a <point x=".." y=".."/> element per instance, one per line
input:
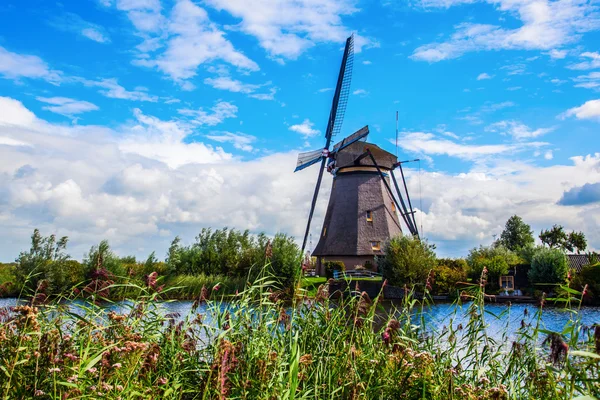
<point x="262" y="347"/>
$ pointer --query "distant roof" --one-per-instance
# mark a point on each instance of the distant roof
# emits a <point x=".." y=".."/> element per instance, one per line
<point x="577" y="261"/>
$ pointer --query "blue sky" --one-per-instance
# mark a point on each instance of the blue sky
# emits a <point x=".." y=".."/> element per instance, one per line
<point x="139" y="120"/>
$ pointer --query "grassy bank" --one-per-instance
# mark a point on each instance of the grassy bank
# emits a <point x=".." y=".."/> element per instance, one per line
<point x="262" y="349"/>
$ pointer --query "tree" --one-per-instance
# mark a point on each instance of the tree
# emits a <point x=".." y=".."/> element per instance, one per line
<point x="555" y="237"/>
<point x="46" y="254"/>
<point x="516" y="234"/>
<point x="558" y="238"/>
<point x="576" y="241"/>
<point x="548" y="266"/>
<point x="407" y="260"/>
<point x="285" y="259"/>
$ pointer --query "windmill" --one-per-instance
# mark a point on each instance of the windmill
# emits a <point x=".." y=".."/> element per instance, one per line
<point x="362" y="210"/>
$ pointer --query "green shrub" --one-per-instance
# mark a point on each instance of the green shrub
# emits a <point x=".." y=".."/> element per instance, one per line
<point x="590" y="276"/>
<point x="406" y="260"/>
<point x="331" y="266"/>
<point x="447" y="274"/>
<point x="548" y="266"/>
<point x="285" y="260"/>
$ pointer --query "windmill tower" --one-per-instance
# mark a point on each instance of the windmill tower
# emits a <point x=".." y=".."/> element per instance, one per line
<point x="363" y="212"/>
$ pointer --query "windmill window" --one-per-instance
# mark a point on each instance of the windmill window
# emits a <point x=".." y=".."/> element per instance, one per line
<point x="324" y="231"/>
<point x="375" y="246"/>
<point x="369" y="216"/>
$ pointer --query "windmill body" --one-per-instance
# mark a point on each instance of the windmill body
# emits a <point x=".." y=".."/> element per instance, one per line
<point x="361" y="214"/>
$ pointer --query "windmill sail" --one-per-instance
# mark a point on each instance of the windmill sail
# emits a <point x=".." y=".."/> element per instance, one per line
<point x="307" y="159"/>
<point x="336" y="115"/>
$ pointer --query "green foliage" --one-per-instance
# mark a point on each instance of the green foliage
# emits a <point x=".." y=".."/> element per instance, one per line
<point x="406" y="260"/>
<point x="558" y="238"/>
<point x="548" y="266"/>
<point x="8" y="288"/>
<point x="590" y="276"/>
<point x="516" y="234"/>
<point x="46" y="258"/>
<point x="285" y="260"/>
<point x="447" y="274"/>
<point x="331" y="266"/>
<point x="497" y="259"/>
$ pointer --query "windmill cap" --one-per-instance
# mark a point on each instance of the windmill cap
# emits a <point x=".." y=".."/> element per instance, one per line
<point x="345" y="158"/>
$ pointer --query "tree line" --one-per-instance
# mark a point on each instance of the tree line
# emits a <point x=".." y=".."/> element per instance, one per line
<point x="227" y="257"/>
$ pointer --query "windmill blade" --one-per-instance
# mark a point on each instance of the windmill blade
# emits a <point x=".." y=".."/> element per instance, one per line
<point x="336" y="116"/>
<point x="342" y="91"/>
<point x="308" y="158"/>
<point x="361" y="134"/>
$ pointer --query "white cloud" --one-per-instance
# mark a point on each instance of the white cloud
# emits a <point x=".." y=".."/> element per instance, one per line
<point x="67" y="106"/>
<point x="220" y="111"/>
<point x="95" y="35"/>
<point x="240" y="141"/>
<point x="323" y="90"/>
<point x="548" y="155"/>
<point x="360" y="92"/>
<point x="429" y="144"/>
<point x="16" y="66"/>
<point x="546" y="25"/>
<point x="189" y="36"/>
<point x="594" y="61"/>
<point x="70" y="22"/>
<point x="483" y="76"/>
<point x="305" y="129"/>
<point x="588" y="110"/>
<point x="110" y="88"/>
<point x="517" y="130"/>
<point x="290" y="27"/>
<point x="513" y="88"/>
<point x="367" y="62"/>
<point x="132" y="185"/>
<point x="236" y="86"/>
<point x="557" y="54"/>
<point x="589" y="81"/>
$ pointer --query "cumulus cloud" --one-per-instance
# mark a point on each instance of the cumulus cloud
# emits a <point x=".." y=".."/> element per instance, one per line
<point x="132" y="184"/>
<point x="589" y="81"/>
<point x="360" y="92"/>
<point x="517" y="130"/>
<point x="592" y="61"/>
<point x="305" y="129"/>
<point x="66" y="106"/>
<point x="580" y="195"/>
<point x="588" y="110"/>
<point x="483" y="76"/>
<point x="110" y="87"/>
<point x="17" y="66"/>
<point x="430" y="144"/>
<point x="70" y="22"/>
<point x="545" y="26"/>
<point x="294" y="25"/>
<point x="219" y="112"/>
<point x="240" y="141"/>
<point x="188" y="36"/>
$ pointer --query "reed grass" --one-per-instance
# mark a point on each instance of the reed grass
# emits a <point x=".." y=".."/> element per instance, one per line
<point x="261" y="346"/>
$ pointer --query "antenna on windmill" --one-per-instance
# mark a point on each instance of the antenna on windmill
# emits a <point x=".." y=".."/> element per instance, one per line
<point x="334" y="125"/>
<point x="396" y="133"/>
